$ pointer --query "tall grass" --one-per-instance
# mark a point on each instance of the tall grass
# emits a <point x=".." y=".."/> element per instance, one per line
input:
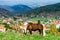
<point x="20" y="36"/>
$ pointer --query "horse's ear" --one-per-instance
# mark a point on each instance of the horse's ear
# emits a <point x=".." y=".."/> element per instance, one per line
<point x="38" y="21"/>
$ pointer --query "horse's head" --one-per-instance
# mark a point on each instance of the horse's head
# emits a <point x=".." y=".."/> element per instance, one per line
<point x="23" y="27"/>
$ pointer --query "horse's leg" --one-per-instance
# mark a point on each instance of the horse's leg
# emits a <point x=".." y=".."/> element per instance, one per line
<point x="39" y="31"/>
<point x="30" y="31"/>
<point x="44" y="34"/>
<point x="25" y="31"/>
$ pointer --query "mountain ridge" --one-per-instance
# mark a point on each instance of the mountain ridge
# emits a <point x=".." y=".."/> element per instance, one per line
<point x="53" y="9"/>
<point x="41" y="11"/>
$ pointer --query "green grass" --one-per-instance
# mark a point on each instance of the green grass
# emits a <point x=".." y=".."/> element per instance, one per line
<point x="20" y="36"/>
<point x="35" y="19"/>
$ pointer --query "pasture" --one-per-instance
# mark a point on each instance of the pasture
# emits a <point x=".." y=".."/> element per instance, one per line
<point x="35" y="36"/>
<point x="20" y="36"/>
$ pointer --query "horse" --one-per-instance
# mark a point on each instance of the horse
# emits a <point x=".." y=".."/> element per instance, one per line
<point x="33" y="27"/>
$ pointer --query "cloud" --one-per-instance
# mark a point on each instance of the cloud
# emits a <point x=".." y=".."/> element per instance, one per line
<point x="31" y="3"/>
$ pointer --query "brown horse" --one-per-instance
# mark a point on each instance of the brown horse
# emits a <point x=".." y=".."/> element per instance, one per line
<point x="31" y="26"/>
<point x="35" y="26"/>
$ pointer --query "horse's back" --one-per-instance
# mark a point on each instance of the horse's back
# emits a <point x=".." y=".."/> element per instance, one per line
<point x="34" y="26"/>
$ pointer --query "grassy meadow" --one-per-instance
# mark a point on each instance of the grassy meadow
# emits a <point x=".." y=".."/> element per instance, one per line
<point x="20" y="36"/>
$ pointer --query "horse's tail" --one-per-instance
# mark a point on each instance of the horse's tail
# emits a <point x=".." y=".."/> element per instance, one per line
<point x="38" y="21"/>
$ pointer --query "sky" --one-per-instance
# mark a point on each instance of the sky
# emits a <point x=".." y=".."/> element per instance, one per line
<point x="31" y="3"/>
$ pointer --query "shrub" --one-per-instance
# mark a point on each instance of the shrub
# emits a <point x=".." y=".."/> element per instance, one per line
<point x="53" y="30"/>
<point x="59" y="29"/>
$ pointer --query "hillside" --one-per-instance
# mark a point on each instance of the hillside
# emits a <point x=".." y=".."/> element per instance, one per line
<point x="20" y="8"/>
<point x="48" y="10"/>
<point x="13" y="10"/>
<point x="16" y="8"/>
<point x="6" y="7"/>
<point x="5" y="12"/>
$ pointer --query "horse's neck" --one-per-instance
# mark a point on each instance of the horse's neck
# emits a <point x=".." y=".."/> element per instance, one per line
<point x="25" y="23"/>
<point x="43" y="24"/>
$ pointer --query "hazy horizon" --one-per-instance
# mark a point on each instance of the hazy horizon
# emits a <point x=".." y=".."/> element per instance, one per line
<point x="30" y="3"/>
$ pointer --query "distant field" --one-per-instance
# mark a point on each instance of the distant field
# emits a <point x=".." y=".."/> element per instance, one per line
<point x="20" y="36"/>
<point x="36" y="19"/>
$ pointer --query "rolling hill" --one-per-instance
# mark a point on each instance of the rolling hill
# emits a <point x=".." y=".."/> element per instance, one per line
<point x="20" y="8"/>
<point x="16" y="8"/>
<point x="6" y="7"/>
<point x="48" y="10"/>
<point x="4" y="12"/>
<point x="13" y="10"/>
